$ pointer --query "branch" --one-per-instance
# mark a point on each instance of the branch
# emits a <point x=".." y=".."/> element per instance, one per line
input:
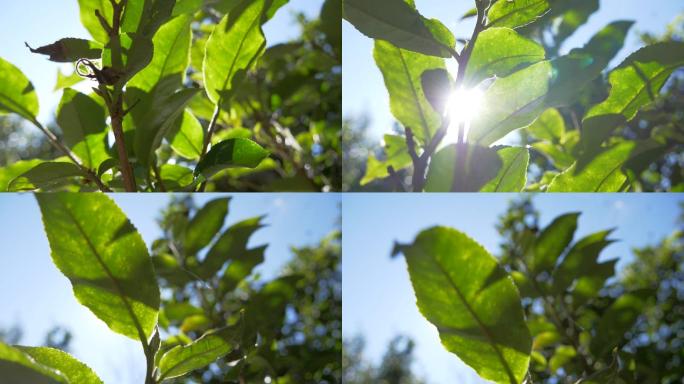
<point x="54" y="140"/>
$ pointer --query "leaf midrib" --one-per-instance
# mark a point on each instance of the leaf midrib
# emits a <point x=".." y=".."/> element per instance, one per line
<point x="414" y="92"/>
<point x="503" y="175"/>
<point x="480" y="323"/>
<point x="399" y="27"/>
<point x="183" y="361"/>
<point x="510" y="14"/>
<point x="117" y="285"/>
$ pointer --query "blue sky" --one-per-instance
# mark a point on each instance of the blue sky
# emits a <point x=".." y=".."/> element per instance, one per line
<point x="379" y="302"/>
<point x="35" y="295"/>
<point x="40" y="22"/>
<point x="363" y="91"/>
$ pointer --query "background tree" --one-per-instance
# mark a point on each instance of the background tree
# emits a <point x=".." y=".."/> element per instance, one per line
<point x="396" y="366"/>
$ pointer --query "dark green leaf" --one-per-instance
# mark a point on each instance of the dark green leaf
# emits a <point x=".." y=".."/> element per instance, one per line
<point x="471" y="300"/>
<point x="17" y="94"/>
<point x="240" y="267"/>
<point x="69" y="50"/>
<point x="399" y="23"/>
<point x="230" y="246"/>
<point x="580" y="260"/>
<point x="231" y="153"/>
<point x="475" y="167"/>
<point x="512" y="175"/>
<point x="74" y="370"/>
<point x="436" y="85"/>
<point x="552" y="241"/>
<point x="95" y="245"/>
<point x="616" y="321"/>
<point x="206" y="223"/>
<point x="45" y="176"/>
<point x="516" y="13"/>
<point x="402" y="71"/>
<point x="589" y="285"/>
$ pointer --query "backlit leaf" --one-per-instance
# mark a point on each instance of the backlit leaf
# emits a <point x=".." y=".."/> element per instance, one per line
<point x="396" y="155"/>
<point x="402" y="71"/>
<point x="83" y="123"/>
<point x="47" y="175"/>
<point x="18" y="367"/>
<point x="74" y="370"/>
<point x="229" y="154"/>
<point x="206" y="223"/>
<point x="187" y="136"/>
<point x="471" y="300"/>
<point x="516" y="13"/>
<point x="552" y="241"/>
<point x="95" y="245"/>
<point x="476" y="166"/>
<point x="17" y="94"/>
<point x="512" y="175"/>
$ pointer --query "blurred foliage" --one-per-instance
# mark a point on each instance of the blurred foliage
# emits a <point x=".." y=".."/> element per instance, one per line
<point x="57" y="337"/>
<point x="18" y="143"/>
<point x="396" y="366"/>
<point x="293" y="322"/>
<point x="571" y="325"/>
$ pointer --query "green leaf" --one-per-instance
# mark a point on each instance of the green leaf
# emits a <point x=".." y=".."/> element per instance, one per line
<point x="95" y="245"/>
<point x="187" y="136"/>
<point x="561" y="356"/>
<point x="18" y="367"/>
<point x="516" y="13"/>
<point x="616" y="321"/>
<point x="45" y="176"/>
<point x="399" y="23"/>
<point x="636" y="82"/>
<point x="603" y="174"/>
<point x="580" y="260"/>
<point x="17" y="94"/>
<point x="66" y="81"/>
<point x="471" y="300"/>
<point x="500" y="52"/>
<point x="233" y="47"/>
<point x="69" y="50"/>
<point x="157" y="122"/>
<point x="206" y="223"/>
<point x="574" y="17"/>
<point x="437" y="88"/>
<point x="517" y="100"/>
<point x="83" y="123"/>
<point x="512" y="175"/>
<point x="176" y="177"/>
<point x="90" y="21"/>
<point x="231" y="153"/>
<point x="589" y="285"/>
<point x="213" y="345"/>
<point x="230" y="246"/>
<point x="74" y="370"/>
<point x="402" y="71"/>
<point x="552" y="241"/>
<point x="549" y="126"/>
<point x="396" y="155"/>
<point x="166" y="71"/>
<point x="241" y="266"/>
<point x="476" y="166"/>
<point x="10" y="172"/>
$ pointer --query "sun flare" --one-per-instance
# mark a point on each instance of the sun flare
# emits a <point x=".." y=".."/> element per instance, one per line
<point x="462" y="106"/>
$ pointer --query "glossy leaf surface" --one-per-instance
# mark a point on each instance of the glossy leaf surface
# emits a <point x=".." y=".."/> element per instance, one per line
<point x="231" y="153"/>
<point x="74" y="370"/>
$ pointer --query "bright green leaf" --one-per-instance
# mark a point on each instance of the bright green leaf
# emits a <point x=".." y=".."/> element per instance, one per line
<point x="187" y="136"/>
<point x="83" y="123"/>
<point x="18" y="367"/>
<point x="176" y="177"/>
<point x="516" y="13"/>
<point x="66" y="81"/>
<point x="561" y="356"/>
<point x="231" y="153"/>
<point x="402" y="71"/>
<point x="74" y="370"/>
<point x="213" y="345"/>
<point x="500" y="52"/>
<point x="17" y="94"/>
<point x="549" y="126"/>
<point x="396" y="155"/>
<point x="471" y="300"/>
<point x="10" y="172"/>
<point x="512" y="175"/>
<point x="95" y="245"/>
<point x="90" y="21"/>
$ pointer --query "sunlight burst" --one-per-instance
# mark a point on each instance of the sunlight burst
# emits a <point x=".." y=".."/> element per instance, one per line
<point x="463" y="105"/>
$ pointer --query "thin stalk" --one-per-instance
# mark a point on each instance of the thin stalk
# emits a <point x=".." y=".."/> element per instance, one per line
<point x="211" y="129"/>
<point x="54" y="140"/>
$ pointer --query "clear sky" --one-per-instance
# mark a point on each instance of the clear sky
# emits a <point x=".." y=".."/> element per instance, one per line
<point x="363" y="90"/>
<point x="36" y="296"/>
<point x="41" y="22"/>
<point x="379" y="302"/>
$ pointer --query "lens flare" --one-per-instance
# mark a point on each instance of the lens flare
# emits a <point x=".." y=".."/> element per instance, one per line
<point x="462" y="107"/>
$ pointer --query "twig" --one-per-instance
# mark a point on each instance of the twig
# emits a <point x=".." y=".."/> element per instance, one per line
<point x="211" y="129"/>
<point x="396" y="178"/>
